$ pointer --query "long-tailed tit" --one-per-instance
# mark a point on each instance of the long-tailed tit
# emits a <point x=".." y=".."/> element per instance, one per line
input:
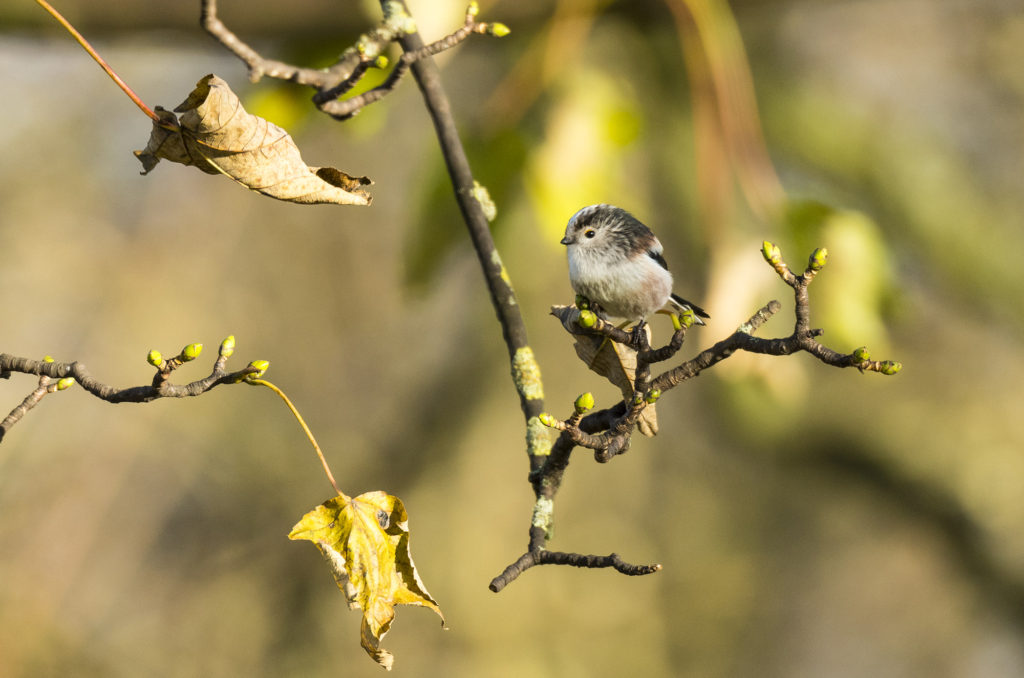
<point x="616" y="262"/>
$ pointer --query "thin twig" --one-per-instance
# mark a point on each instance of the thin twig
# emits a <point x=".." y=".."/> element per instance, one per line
<point x="305" y="428"/>
<point x="353" y="63"/>
<point x="30" y="401"/>
<point x="159" y="388"/>
<point x="103" y="64"/>
<point x="541" y="557"/>
<point x="259" y="66"/>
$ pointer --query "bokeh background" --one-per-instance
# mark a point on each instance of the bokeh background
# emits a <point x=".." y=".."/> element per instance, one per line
<point x="810" y="521"/>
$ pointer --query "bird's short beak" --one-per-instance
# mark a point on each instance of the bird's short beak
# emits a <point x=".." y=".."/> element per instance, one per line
<point x="566" y="240"/>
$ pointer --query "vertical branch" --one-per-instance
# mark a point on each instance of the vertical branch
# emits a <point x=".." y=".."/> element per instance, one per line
<point x="525" y="371"/>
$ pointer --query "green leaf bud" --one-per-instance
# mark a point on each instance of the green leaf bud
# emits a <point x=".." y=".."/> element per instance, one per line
<point x="191" y="352"/>
<point x="47" y="359"/>
<point x="548" y="420"/>
<point x="65" y="383"/>
<point x="582" y="303"/>
<point x="819" y="258"/>
<point x="381" y="61"/>
<point x="227" y="347"/>
<point x="473" y="9"/>
<point x="861" y="355"/>
<point x="261" y="367"/>
<point x="155" y="358"/>
<point x="890" y="367"/>
<point x="498" y="30"/>
<point x="587" y="319"/>
<point x="584" y="403"/>
<point x="653" y="396"/>
<point x="771" y="252"/>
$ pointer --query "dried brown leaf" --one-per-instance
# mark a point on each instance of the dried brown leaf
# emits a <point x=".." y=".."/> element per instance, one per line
<point x="216" y="135"/>
<point x="614" y="362"/>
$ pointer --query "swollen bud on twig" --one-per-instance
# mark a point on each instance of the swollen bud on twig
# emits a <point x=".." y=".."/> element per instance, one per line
<point x="861" y="355"/>
<point x="584" y="403"/>
<point x="191" y="352"/>
<point x="65" y="383"/>
<point x="771" y="253"/>
<point x="155" y="358"/>
<point x="473" y="9"/>
<point x="227" y="347"/>
<point x="548" y="420"/>
<point x="381" y="62"/>
<point x="498" y="30"/>
<point x="587" y="319"/>
<point x="890" y="367"/>
<point x="819" y="258"/>
<point x="47" y="359"/>
<point x="261" y="367"/>
<point x="653" y="396"/>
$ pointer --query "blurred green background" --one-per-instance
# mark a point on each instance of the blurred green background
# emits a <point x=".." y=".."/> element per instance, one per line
<point x="810" y="521"/>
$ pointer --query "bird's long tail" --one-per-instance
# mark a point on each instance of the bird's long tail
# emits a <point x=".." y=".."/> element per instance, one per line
<point x="698" y="312"/>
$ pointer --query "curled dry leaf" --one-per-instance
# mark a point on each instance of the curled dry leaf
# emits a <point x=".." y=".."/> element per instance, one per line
<point x="217" y="135"/>
<point x="365" y="540"/>
<point x="614" y="362"/>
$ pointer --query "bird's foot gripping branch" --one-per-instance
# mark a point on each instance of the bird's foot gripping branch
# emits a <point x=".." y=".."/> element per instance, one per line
<point x="627" y="362"/>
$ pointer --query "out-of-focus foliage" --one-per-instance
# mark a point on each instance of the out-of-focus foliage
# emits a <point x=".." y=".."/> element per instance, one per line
<point x="810" y="521"/>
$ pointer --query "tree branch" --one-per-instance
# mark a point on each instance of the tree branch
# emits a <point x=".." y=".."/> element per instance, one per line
<point x="540" y="557"/>
<point x="348" y="70"/>
<point x="66" y="374"/>
<point x="525" y="370"/>
<point x="609" y="431"/>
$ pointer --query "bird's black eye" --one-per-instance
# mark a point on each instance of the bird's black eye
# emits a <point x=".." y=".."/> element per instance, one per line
<point x="590" y="233"/>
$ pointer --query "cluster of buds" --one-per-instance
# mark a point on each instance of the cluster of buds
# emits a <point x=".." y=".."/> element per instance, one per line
<point x="498" y="30"/>
<point x="254" y="370"/>
<point x="187" y="355"/>
<point x="861" y="358"/>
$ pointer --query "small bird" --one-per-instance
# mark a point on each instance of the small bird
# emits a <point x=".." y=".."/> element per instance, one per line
<point x="616" y="263"/>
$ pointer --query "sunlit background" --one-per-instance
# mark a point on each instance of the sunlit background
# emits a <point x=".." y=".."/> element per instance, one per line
<point x="811" y="521"/>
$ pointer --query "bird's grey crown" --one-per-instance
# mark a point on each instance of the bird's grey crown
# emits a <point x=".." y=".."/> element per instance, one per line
<point x="622" y="231"/>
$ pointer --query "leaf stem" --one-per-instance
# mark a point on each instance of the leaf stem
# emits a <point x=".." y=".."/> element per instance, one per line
<point x="103" y="64"/>
<point x="302" y="423"/>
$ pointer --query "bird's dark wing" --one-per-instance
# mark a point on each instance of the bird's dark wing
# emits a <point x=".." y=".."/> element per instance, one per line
<point x="656" y="255"/>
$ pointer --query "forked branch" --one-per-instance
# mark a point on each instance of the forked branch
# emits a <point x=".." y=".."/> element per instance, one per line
<point x="609" y="431"/>
<point x="368" y="52"/>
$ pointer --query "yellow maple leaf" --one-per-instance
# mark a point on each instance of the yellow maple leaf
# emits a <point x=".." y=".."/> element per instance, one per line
<point x="366" y="542"/>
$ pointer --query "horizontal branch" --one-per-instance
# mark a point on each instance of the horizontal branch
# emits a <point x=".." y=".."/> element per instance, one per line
<point x="67" y="373"/>
<point x="542" y="557"/>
